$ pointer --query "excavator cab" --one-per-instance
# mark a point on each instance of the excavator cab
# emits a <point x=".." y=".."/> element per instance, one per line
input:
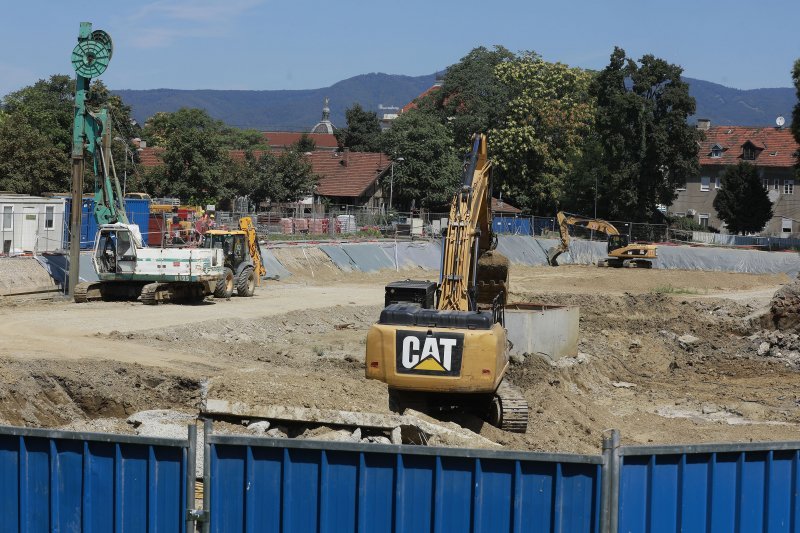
<point x="615" y="242"/>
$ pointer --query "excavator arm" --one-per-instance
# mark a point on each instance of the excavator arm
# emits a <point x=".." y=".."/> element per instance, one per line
<point x="565" y="220"/>
<point x="469" y="232"/>
<point x="246" y="225"/>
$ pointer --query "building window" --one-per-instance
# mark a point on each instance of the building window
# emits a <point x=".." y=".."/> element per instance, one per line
<point x="765" y="183"/>
<point x="749" y="152"/>
<point x="704" y="220"/>
<point x="786" y="225"/>
<point x="716" y="151"/>
<point x="8" y="221"/>
<point x="717" y="182"/>
<point x="705" y="183"/>
<point x="788" y="186"/>
<point x="49" y="216"/>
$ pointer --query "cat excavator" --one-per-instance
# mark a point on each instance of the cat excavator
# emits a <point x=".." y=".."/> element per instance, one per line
<point x="621" y="252"/>
<point x="442" y="346"/>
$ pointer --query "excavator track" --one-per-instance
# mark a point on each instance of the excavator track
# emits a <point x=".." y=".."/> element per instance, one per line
<point x="87" y="292"/>
<point x="153" y="293"/>
<point x="510" y="409"/>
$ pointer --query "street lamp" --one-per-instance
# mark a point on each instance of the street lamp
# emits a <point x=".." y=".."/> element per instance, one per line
<point x="125" y="167"/>
<point x="391" y="180"/>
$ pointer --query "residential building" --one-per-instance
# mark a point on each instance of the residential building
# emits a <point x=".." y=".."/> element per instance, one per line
<point x="772" y="150"/>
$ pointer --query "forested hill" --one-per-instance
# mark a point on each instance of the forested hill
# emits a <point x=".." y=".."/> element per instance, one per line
<point x="299" y="110"/>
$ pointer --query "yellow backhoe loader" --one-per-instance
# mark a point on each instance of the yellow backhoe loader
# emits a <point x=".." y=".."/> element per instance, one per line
<point x="443" y="346"/>
<point x="620" y="252"/>
<point x="244" y="266"/>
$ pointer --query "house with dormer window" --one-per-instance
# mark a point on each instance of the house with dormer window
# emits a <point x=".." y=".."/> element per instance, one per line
<point x="772" y="150"/>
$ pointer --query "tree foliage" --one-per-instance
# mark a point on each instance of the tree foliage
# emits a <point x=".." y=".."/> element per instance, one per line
<point x="647" y="148"/>
<point x="29" y="163"/>
<point x="548" y="115"/>
<point x="304" y="144"/>
<point x="472" y="98"/>
<point x="363" y="130"/>
<point x="283" y="177"/>
<point x="161" y="126"/>
<point x="742" y="202"/>
<point x="430" y="170"/>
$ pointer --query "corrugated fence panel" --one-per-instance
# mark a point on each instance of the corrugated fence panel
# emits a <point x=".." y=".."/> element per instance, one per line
<point x="718" y="488"/>
<point x="265" y="485"/>
<point x="73" y="482"/>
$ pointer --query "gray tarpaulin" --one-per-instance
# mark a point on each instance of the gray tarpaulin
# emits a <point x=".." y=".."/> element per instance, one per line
<point x="369" y="257"/>
<point x="425" y="255"/>
<point x="56" y="266"/>
<point x="339" y="257"/>
<point x="275" y="269"/>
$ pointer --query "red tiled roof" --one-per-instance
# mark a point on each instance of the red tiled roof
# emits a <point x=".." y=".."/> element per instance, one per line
<point x="351" y="179"/>
<point x="284" y="139"/>
<point x="503" y="207"/>
<point x="776" y="147"/>
<point x="150" y="157"/>
<point x="412" y="104"/>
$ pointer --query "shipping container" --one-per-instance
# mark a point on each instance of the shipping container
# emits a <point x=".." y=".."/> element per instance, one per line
<point x="138" y="212"/>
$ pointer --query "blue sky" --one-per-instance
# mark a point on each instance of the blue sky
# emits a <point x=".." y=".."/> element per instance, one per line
<point x="269" y="44"/>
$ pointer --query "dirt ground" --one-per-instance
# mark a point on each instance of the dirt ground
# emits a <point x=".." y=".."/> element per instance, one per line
<point x="300" y="342"/>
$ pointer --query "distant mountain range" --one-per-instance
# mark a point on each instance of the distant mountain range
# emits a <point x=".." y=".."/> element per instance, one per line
<point x="299" y="110"/>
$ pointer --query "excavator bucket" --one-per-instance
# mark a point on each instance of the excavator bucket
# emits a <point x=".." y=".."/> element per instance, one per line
<point x="493" y="277"/>
<point x="552" y="255"/>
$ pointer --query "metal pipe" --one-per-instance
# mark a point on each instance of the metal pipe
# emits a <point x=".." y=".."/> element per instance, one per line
<point x="614" y="468"/>
<point x="191" y="464"/>
<point x="207" y="429"/>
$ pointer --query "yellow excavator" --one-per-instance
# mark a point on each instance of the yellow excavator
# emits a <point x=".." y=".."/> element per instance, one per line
<point x="442" y="346"/>
<point x="621" y="252"/>
<point x="244" y="266"/>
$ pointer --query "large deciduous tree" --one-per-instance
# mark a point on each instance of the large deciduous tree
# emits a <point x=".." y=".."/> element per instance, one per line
<point x="429" y="172"/>
<point x="29" y="163"/>
<point x="363" y="130"/>
<point x="548" y="115"/>
<point x="472" y="99"/>
<point x="742" y="202"/>
<point x="647" y="148"/>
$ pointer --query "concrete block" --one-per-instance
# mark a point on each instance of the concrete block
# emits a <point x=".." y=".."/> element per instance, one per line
<point x="548" y="330"/>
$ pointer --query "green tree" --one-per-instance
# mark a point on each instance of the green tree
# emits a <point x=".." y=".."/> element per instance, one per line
<point x="742" y="202"/>
<point x="548" y="115"/>
<point x="647" y="148"/>
<point x="472" y="99"/>
<point x="304" y="144"/>
<point x="47" y="106"/>
<point x="29" y="163"/>
<point x="283" y="177"/>
<point x="363" y="130"/>
<point x="161" y="126"/>
<point x="430" y="169"/>
<point x="195" y="167"/>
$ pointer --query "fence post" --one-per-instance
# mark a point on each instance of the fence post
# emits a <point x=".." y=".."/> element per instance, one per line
<point x="207" y="428"/>
<point x="609" y="496"/>
<point x="191" y="463"/>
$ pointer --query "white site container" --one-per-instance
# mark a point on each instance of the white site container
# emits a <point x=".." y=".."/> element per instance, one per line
<point x="31" y="224"/>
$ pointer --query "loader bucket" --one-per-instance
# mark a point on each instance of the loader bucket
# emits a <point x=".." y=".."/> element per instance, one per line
<point x="552" y="255"/>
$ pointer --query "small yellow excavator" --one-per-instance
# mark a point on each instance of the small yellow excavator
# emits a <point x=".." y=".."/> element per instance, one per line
<point x="621" y="253"/>
<point x="443" y="346"/>
<point x="244" y="266"/>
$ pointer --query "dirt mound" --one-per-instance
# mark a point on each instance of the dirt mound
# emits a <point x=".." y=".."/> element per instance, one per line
<point x="784" y="309"/>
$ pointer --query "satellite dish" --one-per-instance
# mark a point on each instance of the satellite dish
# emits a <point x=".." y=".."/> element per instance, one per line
<point x="780" y="121"/>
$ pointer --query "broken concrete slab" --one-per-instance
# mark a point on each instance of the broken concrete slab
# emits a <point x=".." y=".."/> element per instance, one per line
<point x="300" y="414"/>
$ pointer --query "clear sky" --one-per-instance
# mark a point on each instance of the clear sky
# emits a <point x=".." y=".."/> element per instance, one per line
<point x="295" y="44"/>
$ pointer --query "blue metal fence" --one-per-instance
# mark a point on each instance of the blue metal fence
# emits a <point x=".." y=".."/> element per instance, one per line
<point x="264" y="485"/>
<point x="710" y="488"/>
<point x="90" y="482"/>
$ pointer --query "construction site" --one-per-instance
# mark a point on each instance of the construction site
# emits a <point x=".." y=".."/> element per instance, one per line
<point x="666" y="356"/>
<point x="463" y="371"/>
